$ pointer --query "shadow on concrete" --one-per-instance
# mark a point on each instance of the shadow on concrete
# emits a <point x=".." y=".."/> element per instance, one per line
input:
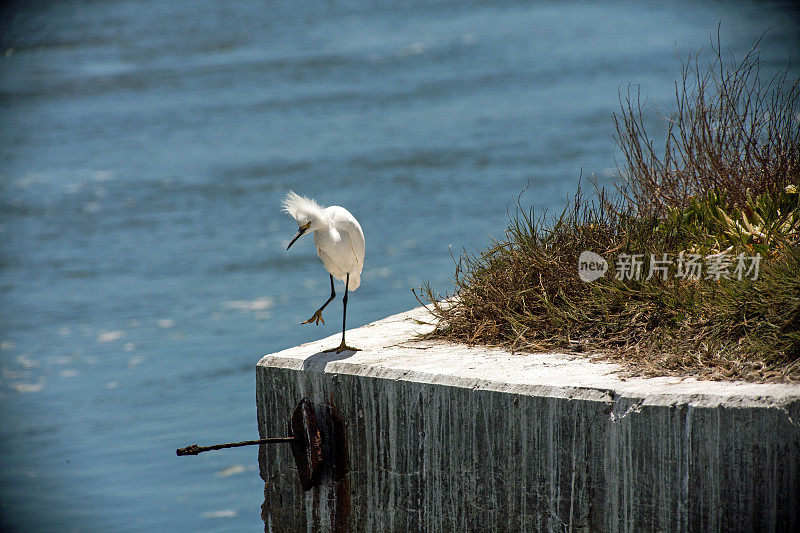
<point x="320" y="360"/>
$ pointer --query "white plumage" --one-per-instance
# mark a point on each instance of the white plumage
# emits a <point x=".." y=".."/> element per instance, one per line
<point x="341" y="246"/>
<point x="339" y="241"/>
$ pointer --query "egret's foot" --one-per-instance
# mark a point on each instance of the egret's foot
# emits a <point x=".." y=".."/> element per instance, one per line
<point x="342" y="347"/>
<point x="316" y="318"/>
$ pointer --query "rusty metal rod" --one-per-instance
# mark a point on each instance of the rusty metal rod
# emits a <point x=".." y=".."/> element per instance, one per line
<point x="194" y="449"/>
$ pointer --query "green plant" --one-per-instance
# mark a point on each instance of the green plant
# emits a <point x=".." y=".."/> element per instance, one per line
<point x="727" y="184"/>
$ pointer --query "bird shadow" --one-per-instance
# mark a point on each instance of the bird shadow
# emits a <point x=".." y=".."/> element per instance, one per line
<point x="319" y="361"/>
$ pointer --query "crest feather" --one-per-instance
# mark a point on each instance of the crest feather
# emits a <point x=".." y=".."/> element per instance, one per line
<point x="301" y="208"/>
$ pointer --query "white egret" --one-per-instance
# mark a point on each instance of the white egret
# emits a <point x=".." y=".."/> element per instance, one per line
<point x="340" y="245"/>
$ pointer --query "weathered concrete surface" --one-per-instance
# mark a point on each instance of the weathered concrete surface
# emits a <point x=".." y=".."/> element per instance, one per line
<point x="445" y="437"/>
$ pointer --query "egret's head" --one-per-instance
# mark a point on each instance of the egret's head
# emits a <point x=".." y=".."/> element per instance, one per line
<point x="307" y="213"/>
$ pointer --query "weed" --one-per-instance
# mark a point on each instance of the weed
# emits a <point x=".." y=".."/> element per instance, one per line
<point x="727" y="183"/>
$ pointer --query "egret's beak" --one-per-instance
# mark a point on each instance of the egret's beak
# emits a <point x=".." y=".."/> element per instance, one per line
<point x="297" y="236"/>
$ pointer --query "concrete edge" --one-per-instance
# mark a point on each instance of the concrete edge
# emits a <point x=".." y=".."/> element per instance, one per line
<point x="390" y="350"/>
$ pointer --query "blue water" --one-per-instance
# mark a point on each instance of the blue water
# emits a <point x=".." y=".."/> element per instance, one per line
<point x="145" y="148"/>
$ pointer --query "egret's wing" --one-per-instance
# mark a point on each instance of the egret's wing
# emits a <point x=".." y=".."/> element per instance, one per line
<point x="356" y="238"/>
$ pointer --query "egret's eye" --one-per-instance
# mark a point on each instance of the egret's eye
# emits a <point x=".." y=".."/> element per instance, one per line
<point x="306" y="225"/>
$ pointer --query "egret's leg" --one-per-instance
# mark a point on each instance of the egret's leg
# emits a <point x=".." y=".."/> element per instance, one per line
<point x="317" y="316"/>
<point x="342" y="347"/>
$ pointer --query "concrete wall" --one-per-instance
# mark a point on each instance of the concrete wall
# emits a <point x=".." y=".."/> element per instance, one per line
<point x="447" y="438"/>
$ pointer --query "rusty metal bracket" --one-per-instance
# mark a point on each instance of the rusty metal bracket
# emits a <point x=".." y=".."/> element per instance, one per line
<point x="318" y="440"/>
<point x="318" y="443"/>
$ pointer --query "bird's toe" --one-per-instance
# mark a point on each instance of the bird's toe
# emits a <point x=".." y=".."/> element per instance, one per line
<point x="316" y="318"/>
<point x="344" y="347"/>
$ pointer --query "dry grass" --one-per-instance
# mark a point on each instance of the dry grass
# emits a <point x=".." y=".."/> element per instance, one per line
<point x="731" y="131"/>
<point x="727" y="182"/>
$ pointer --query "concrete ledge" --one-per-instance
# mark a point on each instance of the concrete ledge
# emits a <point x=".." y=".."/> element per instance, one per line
<point x="446" y="437"/>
